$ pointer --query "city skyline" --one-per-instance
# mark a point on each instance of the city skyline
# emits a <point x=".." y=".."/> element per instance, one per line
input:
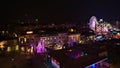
<point x="59" y="11"/>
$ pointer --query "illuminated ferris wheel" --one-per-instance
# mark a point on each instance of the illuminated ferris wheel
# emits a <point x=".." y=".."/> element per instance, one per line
<point x="93" y="23"/>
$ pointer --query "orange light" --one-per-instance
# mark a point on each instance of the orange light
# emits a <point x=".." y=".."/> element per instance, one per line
<point x="29" y="32"/>
<point x="71" y="30"/>
<point x="1" y="46"/>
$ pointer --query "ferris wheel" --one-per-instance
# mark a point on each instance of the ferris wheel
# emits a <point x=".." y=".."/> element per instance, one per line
<point x="93" y="23"/>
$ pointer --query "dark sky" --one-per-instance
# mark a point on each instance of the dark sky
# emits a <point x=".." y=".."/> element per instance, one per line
<point x="59" y="11"/>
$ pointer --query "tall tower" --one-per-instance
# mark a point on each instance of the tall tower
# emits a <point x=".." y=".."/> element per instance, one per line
<point x="117" y="24"/>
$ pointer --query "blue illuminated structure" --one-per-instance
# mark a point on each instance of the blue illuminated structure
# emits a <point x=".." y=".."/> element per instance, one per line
<point x="99" y="64"/>
<point x="93" y="66"/>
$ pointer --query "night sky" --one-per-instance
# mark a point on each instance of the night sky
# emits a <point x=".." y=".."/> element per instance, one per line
<point x="59" y="11"/>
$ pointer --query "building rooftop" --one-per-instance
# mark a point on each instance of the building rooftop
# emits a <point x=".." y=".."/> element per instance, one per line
<point x="66" y="61"/>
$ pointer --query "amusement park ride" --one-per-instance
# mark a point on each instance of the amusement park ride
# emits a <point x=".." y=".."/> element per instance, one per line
<point x="99" y="27"/>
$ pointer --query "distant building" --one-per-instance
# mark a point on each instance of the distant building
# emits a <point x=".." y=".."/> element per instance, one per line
<point x="117" y="24"/>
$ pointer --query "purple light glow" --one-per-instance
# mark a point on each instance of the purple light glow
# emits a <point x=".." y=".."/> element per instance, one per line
<point x="40" y="47"/>
<point x="93" y="22"/>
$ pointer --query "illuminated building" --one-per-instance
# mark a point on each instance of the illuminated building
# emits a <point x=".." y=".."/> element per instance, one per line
<point x="87" y="35"/>
<point x="73" y="38"/>
<point x="56" y="40"/>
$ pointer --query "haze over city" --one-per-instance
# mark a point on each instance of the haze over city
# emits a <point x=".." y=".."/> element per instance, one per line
<point x="60" y="11"/>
